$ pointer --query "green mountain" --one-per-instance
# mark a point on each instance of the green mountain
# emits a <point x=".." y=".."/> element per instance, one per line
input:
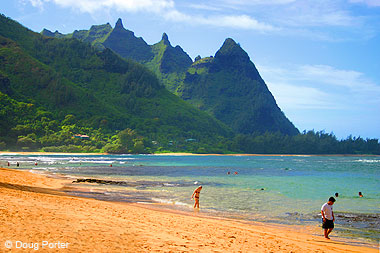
<point x="169" y="63"/>
<point x="95" y="36"/>
<point x="54" y="88"/>
<point x="127" y="45"/>
<point x="229" y="87"/>
<point x="55" y="34"/>
<point x="73" y="96"/>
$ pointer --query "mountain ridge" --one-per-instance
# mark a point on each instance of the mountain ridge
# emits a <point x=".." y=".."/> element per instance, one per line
<point x="230" y="70"/>
<point x="229" y="87"/>
<point x="66" y="79"/>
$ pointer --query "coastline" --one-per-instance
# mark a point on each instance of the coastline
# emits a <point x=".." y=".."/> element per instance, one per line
<point x="288" y="155"/>
<point x="179" y="154"/>
<point x="36" y="208"/>
<point x="48" y="153"/>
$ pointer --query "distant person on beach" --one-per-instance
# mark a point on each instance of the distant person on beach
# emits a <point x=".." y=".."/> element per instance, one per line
<point x="328" y="217"/>
<point x="336" y="194"/>
<point x="195" y="196"/>
<point x="17" y="164"/>
<point x="360" y="195"/>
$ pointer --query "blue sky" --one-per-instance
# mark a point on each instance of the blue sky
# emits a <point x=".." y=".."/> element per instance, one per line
<point x="320" y="59"/>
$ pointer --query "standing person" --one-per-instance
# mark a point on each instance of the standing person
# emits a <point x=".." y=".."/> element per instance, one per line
<point x="195" y="196"/>
<point x="328" y="217"/>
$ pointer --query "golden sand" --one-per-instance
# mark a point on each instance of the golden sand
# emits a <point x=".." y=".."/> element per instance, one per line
<point x="35" y="211"/>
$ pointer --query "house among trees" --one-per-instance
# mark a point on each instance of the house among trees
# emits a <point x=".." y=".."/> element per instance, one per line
<point x="81" y="136"/>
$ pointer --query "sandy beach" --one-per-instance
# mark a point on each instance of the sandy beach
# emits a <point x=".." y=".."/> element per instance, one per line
<point x="35" y="212"/>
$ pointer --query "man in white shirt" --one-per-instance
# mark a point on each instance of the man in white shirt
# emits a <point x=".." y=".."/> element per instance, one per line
<point x="328" y="217"/>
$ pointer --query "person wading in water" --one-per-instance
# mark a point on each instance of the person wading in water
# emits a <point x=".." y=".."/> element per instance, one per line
<point x="195" y="196"/>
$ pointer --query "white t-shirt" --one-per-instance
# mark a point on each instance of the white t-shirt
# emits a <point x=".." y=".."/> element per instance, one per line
<point x="328" y="211"/>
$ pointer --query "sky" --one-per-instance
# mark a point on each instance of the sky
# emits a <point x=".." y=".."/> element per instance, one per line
<point x="320" y="59"/>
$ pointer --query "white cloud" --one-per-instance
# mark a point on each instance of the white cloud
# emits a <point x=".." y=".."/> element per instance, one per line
<point x="232" y="21"/>
<point x="313" y="18"/>
<point x="91" y="6"/>
<point x="258" y="2"/>
<point x="204" y="7"/>
<point x="320" y="87"/>
<point x="353" y="81"/>
<point x="296" y="97"/>
<point x="324" y="97"/>
<point x="164" y="8"/>
<point x="322" y="13"/>
<point x="373" y="3"/>
<point x="319" y="20"/>
<point x="35" y="3"/>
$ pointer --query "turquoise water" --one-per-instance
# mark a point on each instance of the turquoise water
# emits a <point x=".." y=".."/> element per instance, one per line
<point x="280" y="189"/>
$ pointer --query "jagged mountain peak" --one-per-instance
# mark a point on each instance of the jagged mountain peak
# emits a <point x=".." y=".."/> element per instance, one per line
<point x="165" y="39"/>
<point x="126" y="44"/>
<point x="230" y="88"/>
<point x="49" y="33"/>
<point x="231" y="49"/>
<point x="107" y="26"/>
<point x="230" y="41"/>
<point x="119" y="24"/>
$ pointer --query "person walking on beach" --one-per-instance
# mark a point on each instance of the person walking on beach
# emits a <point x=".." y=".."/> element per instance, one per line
<point x="328" y="217"/>
<point x="195" y="196"/>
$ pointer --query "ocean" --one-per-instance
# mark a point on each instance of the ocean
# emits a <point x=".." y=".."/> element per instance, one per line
<point x="276" y="189"/>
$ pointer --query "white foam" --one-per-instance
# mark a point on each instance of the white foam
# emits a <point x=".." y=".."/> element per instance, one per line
<point x="170" y="202"/>
<point x="368" y="161"/>
<point x="100" y="161"/>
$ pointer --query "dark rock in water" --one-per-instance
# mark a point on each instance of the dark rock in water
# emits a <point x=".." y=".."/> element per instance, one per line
<point x="100" y="181"/>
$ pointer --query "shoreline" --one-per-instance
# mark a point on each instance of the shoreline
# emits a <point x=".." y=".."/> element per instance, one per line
<point x="289" y="155"/>
<point x="180" y="154"/>
<point x="83" y="221"/>
<point x="49" y="153"/>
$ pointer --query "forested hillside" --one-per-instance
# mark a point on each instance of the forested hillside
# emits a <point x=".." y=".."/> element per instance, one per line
<point x="227" y="86"/>
<point x="90" y="90"/>
<point x="73" y="94"/>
